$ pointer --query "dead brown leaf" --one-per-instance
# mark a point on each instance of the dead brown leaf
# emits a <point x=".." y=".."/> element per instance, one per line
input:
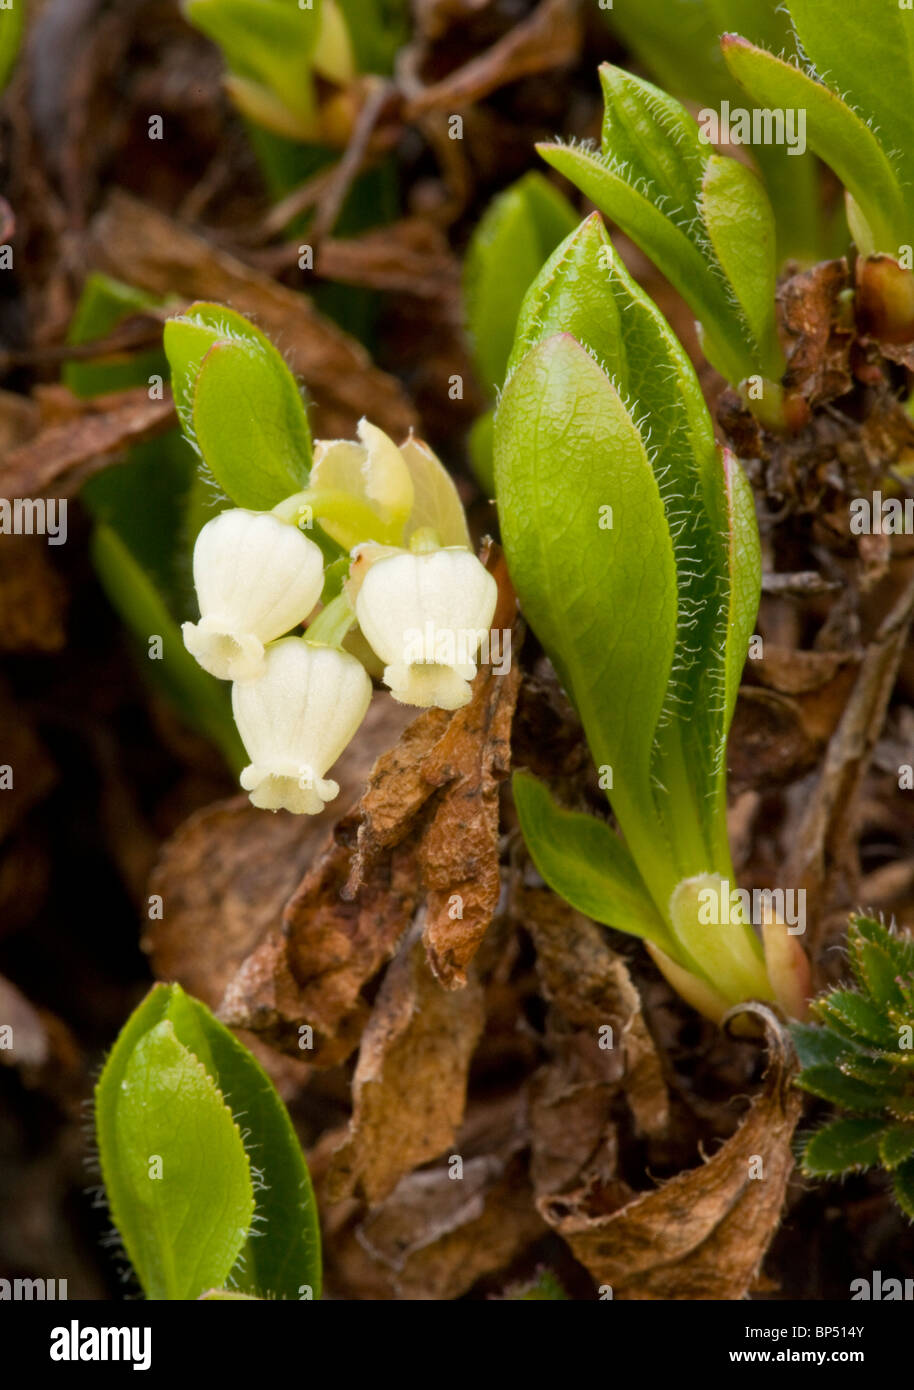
<point x="703" y="1234"/>
<point x="426" y="829"/>
<point x="409" y="1088"/>
<point x="409" y="257"/>
<point x="96" y="436"/>
<point x="818" y="339"/>
<point x="590" y="990"/>
<point x="143" y="246"/>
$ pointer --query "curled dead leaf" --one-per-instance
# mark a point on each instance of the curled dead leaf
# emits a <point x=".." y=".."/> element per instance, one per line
<point x="409" y="1088"/>
<point x="704" y="1233"/>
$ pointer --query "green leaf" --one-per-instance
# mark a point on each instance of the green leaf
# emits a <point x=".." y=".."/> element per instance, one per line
<point x="170" y="1052"/>
<point x="281" y="1258"/>
<point x="816" y="1046"/>
<point x="12" y="24"/>
<point x="843" y="1146"/>
<point x="649" y="179"/>
<point x="678" y="42"/>
<point x="239" y="405"/>
<point x="830" y="1084"/>
<point x="866" y="52"/>
<point x="855" y="1017"/>
<point x="584" y="289"/>
<point x="835" y="131"/>
<point x="566" y="448"/>
<point x="183" y="1229"/>
<point x="740" y="225"/>
<point x="896" y="1145"/>
<point x="513" y="238"/>
<point x="203" y="701"/>
<point x="480" y="443"/>
<point x="378" y="29"/>
<point x="877" y="974"/>
<point x="903" y="1188"/>
<point x="900" y="949"/>
<point x="586" y="863"/>
<point x="265" y="41"/>
<point x="103" y="304"/>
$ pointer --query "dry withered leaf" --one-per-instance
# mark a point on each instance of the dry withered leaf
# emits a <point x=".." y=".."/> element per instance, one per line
<point x="817" y="333"/>
<point x="768" y="744"/>
<point x="796" y="672"/>
<point x="703" y="1234"/>
<point x="409" y="1088"/>
<point x="223" y="879"/>
<point x="312" y="971"/>
<point x="65" y="454"/>
<point x="437" y="1236"/>
<point x="589" y="986"/>
<point x="824" y="859"/>
<point x="156" y="253"/>
<point x="463" y="758"/>
<point x="426" y="829"/>
<point x="409" y="257"/>
<point x="227" y="873"/>
<point x="549" y="38"/>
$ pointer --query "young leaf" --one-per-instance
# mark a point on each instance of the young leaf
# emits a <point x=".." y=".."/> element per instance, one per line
<point x="174" y="1166"/>
<point x="282" y="1258"/>
<point x="678" y="43"/>
<point x="584" y="861"/>
<point x="585" y="289"/>
<point x="103" y="304"/>
<point x="566" y="449"/>
<point x="12" y="23"/>
<point x="514" y="236"/>
<point x="842" y="1146"/>
<point x="239" y="405"/>
<point x="903" y="1187"/>
<point x="817" y="1046"/>
<point x="854" y="1016"/>
<point x="740" y="225"/>
<point x="896" y="1145"/>
<point x="828" y="1083"/>
<point x="166" y="1092"/>
<point x="866" y="52"/>
<point x="268" y="44"/>
<point x="649" y="178"/>
<point x="835" y="131"/>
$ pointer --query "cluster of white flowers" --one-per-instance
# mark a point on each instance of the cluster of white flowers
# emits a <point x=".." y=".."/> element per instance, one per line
<point x="423" y="601"/>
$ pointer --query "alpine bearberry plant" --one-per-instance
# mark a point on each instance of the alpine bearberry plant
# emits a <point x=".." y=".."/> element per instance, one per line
<point x="633" y="544"/>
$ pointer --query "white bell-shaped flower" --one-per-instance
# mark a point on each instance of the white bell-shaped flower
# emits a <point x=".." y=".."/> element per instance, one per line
<point x="256" y="577"/>
<point x="295" y="720"/>
<point x="426" y="616"/>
